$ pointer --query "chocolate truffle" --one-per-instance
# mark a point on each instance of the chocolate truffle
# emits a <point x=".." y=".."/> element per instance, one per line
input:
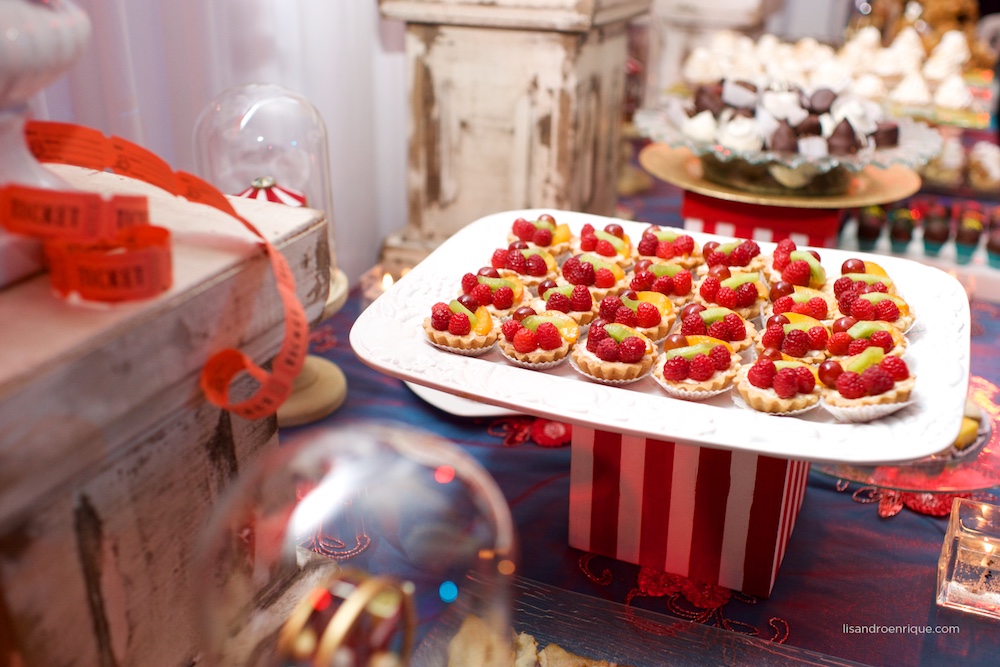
<point x="937" y="231"/>
<point x="709" y="98"/>
<point x="886" y="134"/>
<point x="901" y="229"/>
<point x="784" y="139"/>
<point x="810" y="127"/>
<point x="821" y="101"/>
<point x="970" y="228"/>
<point x="871" y="220"/>
<point x="843" y="141"/>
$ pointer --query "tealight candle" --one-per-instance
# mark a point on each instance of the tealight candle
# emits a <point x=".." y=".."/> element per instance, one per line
<point x="969" y="566"/>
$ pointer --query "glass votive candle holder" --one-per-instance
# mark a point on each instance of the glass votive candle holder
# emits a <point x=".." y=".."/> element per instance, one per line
<point x="969" y="567"/>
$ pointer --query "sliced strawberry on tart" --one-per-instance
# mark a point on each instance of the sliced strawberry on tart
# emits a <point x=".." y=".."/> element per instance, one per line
<point x="461" y="326"/>
<point x="865" y="386"/>
<point x="529" y="265"/>
<point x="574" y="300"/>
<point x="670" y="245"/>
<point x="651" y="313"/>
<point x="611" y="244"/>
<point x="742" y="254"/>
<point x="777" y="385"/>
<point x="796" y="266"/>
<point x="543" y="232"/>
<point x="614" y="353"/>
<point x="717" y="322"/>
<point x="500" y="295"/>
<point x="743" y="292"/>
<point x="599" y="276"/>
<point x="851" y="337"/>
<point x="696" y="367"/>
<point x="798" y="336"/>
<point x="538" y="340"/>
<point x="671" y="280"/>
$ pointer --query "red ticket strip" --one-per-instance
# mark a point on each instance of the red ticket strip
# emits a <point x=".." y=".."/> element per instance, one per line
<point x="106" y="250"/>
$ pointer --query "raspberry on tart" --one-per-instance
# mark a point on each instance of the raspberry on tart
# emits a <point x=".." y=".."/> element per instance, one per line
<point x="741" y="255"/>
<point x="778" y="387"/>
<point x="856" y="273"/>
<point x="574" y="300"/>
<point x="668" y="278"/>
<point x="487" y="288"/>
<point x="865" y="386"/>
<point x="851" y="336"/>
<point x="796" y="266"/>
<point x="529" y="265"/>
<point x="862" y="303"/>
<point x="717" y="322"/>
<point x="539" y="341"/>
<point x="651" y="313"/>
<point x="696" y="367"/>
<point x="741" y="292"/>
<point x="669" y="245"/>
<point x="611" y="244"/>
<point x="798" y="336"/>
<point x="543" y="232"/>
<point x="614" y="353"/>
<point x="784" y="297"/>
<point x="454" y="327"/>
<point x="599" y="276"/>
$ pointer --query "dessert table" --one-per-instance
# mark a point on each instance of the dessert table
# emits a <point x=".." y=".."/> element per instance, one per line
<point x="857" y="581"/>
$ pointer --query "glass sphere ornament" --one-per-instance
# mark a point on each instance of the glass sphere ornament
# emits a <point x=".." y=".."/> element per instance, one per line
<point x="360" y="546"/>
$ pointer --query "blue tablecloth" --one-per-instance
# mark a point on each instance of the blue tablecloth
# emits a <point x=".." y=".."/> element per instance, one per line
<point x="845" y="565"/>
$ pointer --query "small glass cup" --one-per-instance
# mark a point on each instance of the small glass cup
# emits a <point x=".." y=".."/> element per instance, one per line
<point x="969" y="566"/>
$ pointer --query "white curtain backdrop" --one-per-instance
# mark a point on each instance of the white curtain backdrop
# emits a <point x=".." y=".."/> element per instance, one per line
<point x="153" y="65"/>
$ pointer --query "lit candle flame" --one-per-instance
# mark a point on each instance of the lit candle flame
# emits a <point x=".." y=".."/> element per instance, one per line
<point x="386" y="281"/>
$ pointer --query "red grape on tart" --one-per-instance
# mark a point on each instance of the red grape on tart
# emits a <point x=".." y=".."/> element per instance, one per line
<point x="670" y="245"/>
<point x="500" y="295"/>
<point x="778" y="386"/>
<point x="651" y="313"/>
<point x="611" y="244"/>
<point x="696" y="367"/>
<point x="597" y="274"/>
<point x="529" y="265"/>
<point x="459" y="329"/>
<point x="574" y="300"/>
<point x="543" y="232"/>
<point x="865" y="386"/>
<point x="538" y="339"/>
<point x="614" y="353"/>
<point x="717" y="322"/>
<point x="851" y="337"/>
<point x="798" y="336"/>
<point x="671" y="280"/>
<point x="743" y="292"/>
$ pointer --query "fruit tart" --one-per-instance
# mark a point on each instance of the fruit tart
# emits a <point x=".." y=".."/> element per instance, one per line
<point x="574" y="300"/>
<point x="856" y="273"/>
<point x="600" y="277"/>
<point x="785" y="297"/>
<point x="717" y="322"/>
<point x="669" y="245"/>
<point x="743" y="254"/>
<point x="696" y="367"/>
<point x="529" y="265"/>
<point x="614" y="353"/>
<point x="538" y="341"/>
<point x="796" y="266"/>
<point x="865" y="303"/>
<point x="742" y="292"/>
<point x="851" y="337"/>
<point x="865" y="386"/>
<point x="670" y="280"/>
<point x="500" y="295"/>
<point x="780" y="387"/>
<point x="456" y="328"/>
<point x="611" y="244"/>
<point x="651" y="313"/>
<point x="543" y="232"/>
<point x="797" y="336"/>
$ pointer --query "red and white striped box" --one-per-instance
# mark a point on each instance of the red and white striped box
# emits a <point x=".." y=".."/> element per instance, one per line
<point x="718" y="516"/>
<point x="806" y="226"/>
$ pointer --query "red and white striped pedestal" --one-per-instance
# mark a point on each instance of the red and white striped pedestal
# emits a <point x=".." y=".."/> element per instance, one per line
<point x="718" y="516"/>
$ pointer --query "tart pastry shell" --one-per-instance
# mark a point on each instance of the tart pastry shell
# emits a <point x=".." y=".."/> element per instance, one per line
<point x="766" y="400"/>
<point x="614" y="371"/>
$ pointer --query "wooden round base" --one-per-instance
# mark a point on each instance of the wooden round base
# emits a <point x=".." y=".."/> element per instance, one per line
<point x="319" y="389"/>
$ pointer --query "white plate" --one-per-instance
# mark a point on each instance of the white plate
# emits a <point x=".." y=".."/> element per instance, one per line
<point x="456" y="405"/>
<point x="388" y="337"/>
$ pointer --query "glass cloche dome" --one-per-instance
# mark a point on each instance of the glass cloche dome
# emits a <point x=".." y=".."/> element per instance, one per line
<point x="361" y="546"/>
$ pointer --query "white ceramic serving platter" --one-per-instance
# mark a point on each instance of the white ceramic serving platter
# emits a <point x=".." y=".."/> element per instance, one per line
<point x="388" y="336"/>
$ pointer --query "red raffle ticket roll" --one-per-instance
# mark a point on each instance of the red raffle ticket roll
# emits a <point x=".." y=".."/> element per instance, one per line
<point x="105" y="249"/>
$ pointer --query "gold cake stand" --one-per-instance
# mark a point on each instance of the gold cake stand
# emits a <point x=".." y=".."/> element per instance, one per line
<point x="869" y="187"/>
